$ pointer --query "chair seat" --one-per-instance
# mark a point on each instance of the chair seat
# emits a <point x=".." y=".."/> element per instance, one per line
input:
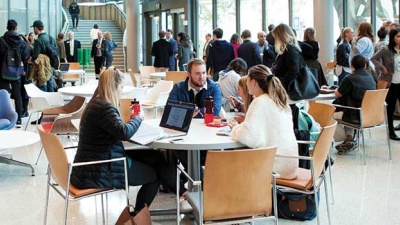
<point x="193" y="199"/>
<point x="4" y="123"/>
<point x="76" y="193"/>
<point x="302" y="182"/>
<point x="356" y="126"/>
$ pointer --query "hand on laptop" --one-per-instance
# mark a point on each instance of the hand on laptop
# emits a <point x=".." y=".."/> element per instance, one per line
<point x="196" y="112"/>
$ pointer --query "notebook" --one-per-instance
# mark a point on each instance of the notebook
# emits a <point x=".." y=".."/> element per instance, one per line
<point x="64" y="67"/>
<point x="226" y="131"/>
<point x="175" y="121"/>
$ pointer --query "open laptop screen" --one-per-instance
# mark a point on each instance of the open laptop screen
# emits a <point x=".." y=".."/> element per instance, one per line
<point x="64" y="67"/>
<point x="177" y="115"/>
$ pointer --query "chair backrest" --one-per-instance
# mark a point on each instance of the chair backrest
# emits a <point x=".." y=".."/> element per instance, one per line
<point x="321" y="112"/>
<point x="125" y="110"/>
<point x="161" y="86"/>
<point x="373" y="107"/>
<point x="63" y="125"/>
<point x="6" y="111"/>
<point x="238" y="183"/>
<point x="74" y="66"/>
<point x="145" y="71"/>
<point x="133" y="78"/>
<point x="42" y="100"/>
<point x="330" y="65"/>
<point x="56" y="156"/>
<point x="175" y="76"/>
<point x="321" y="148"/>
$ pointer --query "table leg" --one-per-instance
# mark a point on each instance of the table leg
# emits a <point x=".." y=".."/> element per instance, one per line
<point x="16" y="163"/>
<point x="194" y="166"/>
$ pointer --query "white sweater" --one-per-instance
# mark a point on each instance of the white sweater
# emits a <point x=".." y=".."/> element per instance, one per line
<point x="266" y="125"/>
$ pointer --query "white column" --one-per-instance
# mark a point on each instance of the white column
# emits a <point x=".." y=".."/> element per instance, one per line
<point x="133" y="33"/>
<point x="323" y="24"/>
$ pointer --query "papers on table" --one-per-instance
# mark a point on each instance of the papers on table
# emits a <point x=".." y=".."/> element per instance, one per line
<point x="147" y="134"/>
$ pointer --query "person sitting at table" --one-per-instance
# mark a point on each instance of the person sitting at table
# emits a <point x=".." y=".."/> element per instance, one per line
<point x="268" y="120"/>
<point x="101" y="134"/>
<point x="350" y="93"/>
<point x="194" y="90"/>
<point x="241" y="105"/>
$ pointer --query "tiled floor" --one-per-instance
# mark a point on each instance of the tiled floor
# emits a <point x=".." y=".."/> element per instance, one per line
<point x="364" y="195"/>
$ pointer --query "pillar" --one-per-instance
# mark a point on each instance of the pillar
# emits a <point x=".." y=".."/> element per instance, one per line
<point x="323" y="24"/>
<point x="133" y="33"/>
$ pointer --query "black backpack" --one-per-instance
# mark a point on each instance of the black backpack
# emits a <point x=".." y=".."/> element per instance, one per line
<point x="12" y="66"/>
<point x="52" y="53"/>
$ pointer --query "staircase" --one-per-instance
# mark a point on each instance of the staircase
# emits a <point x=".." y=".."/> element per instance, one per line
<point x="82" y="34"/>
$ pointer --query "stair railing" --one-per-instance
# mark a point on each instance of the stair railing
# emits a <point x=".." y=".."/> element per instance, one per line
<point x="65" y="22"/>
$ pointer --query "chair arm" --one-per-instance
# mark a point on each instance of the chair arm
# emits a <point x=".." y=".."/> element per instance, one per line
<point x="295" y="157"/>
<point x="182" y="170"/>
<point x="97" y="162"/>
<point x="305" y="142"/>
<point x="347" y="107"/>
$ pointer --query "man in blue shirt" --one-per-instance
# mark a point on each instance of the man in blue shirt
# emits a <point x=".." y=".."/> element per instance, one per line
<point x="170" y="39"/>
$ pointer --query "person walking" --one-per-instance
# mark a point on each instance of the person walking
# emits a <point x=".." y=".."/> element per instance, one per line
<point x="110" y="46"/>
<point x="98" y="50"/>
<point x="74" y="11"/>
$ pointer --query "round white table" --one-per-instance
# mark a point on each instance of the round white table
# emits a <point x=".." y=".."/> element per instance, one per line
<point x="86" y="90"/>
<point x="10" y="139"/>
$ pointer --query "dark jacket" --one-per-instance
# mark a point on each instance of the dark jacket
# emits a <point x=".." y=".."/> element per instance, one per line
<point x="343" y="53"/>
<point x="180" y="93"/>
<point x="73" y="8"/>
<point x="220" y="54"/>
<point x="184" y="53"/>
<point x="174" y="44"/>
<point x="100" y="138"/>
<point x="352" y="90"/>
<point x="77" y="44"/>
<point x="250" y="53"/>
<point x="269" y="56"/>
<point x="314" y="52"/>
<point x="39" y="46"/>
<point x="13" y="39"/>
<point x="161" y="50"/>
<point x="102" y="48"/>
<point x="287" y="65"/>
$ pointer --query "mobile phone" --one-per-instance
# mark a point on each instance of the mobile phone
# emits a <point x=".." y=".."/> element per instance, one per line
<point x="176" y="140"/>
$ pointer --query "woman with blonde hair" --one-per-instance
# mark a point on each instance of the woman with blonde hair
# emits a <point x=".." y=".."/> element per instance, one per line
<point x="269" y="118"/>
<point x="110" y="46"/>
<point x="100" y="138"/>
<point x="342" y="54"/>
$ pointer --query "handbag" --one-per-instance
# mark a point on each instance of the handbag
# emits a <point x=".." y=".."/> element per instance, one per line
<point x="296" y="206"/>
<point x="141" y="218"/>
<point x="305" y="86"/>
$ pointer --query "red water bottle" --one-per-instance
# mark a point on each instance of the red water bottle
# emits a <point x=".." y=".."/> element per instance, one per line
<point x="135" y="108"/>
<point x="209" y="110"/>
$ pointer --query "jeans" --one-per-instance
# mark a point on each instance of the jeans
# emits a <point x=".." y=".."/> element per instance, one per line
<point x="49" y="85"/>
<point x="15" y="91"/>
<point x="108" y="58"/>
<point x="75" y="20"/>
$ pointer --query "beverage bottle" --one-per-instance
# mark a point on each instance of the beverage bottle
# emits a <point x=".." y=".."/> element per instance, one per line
<point x="135" y="108"/>
<point x="209" y="110"/>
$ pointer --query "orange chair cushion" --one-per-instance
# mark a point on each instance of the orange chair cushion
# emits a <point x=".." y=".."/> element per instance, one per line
<point x="303" y="180"/>
<point x="47" y="127"/>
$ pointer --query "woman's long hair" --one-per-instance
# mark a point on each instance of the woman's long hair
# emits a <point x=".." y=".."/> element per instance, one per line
<point x="365" y="30"/>
<point x="248" y="97"/>
<point x="270" y="85"/>
<point x="309" y="34"/>
<point x="284" y="36"/>
<point x="107" y="89"/>
<point x="392" y="42"/>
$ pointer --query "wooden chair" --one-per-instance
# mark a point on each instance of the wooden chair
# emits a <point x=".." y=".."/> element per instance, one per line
<point x="72" y="77"/>
<point x="60" y="170"/>
<point x="175" y="76"/>
<point x="306" y="181"/>
<point x="372" y="114"/>
<point x="133" y="77"/>
<point x="74" y="105"/>
<point x="234" y="190"/>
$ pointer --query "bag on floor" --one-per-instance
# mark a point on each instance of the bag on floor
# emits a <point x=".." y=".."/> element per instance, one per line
<point x="296" y="206"/>
<point x="141" y="218"/>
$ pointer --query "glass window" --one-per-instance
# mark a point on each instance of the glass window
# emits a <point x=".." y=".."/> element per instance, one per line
<point x="3" y="14"/>
<point x="337" y="19"/>
<point x="18" y="13"/>
<point x="359" y="11"/>
<point x="386" y="10"/>
<point x="226" y="17"/>
<point x="277" y="12"/>
<point x="205" y="23"/>
<point x="33" y="6"/>
<point x="251" y="17"/>
<point x="302" y="16"/>
<point x="52" y="26"/>
<point x="44" y="14"/>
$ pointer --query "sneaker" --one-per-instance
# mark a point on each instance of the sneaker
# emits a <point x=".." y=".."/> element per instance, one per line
<point x="185" y="206"/>
<point x="348" y="147"/>
<point x="340" y="147"/>
<point x="18" y="124"/>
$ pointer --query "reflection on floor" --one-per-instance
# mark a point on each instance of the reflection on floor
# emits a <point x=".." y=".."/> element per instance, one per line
<point x="363" y="194"/>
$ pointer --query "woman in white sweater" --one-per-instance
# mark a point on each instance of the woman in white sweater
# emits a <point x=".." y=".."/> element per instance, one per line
<point x="268" y="120"/>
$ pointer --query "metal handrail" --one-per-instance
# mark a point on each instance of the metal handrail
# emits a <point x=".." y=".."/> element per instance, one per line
<point x="66" y="23"/>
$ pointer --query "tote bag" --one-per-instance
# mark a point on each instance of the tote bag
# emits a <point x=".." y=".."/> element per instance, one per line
<point x="305" y="86"/>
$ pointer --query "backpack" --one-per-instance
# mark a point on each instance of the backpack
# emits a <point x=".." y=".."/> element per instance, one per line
<point x="12" y="66"/>
<point x="52" y="53"/>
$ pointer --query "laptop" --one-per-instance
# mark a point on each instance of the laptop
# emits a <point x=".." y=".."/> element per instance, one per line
<point x="64" y="67"/>
<point x="175" y="122"/>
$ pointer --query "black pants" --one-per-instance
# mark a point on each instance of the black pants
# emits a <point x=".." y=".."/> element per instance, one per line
<point x="148" y="169"/>
<point x="14" y="87"/>
<point x="75" y="20"/>
<point x="98" y="63"/>
<point x="391" y="97"/>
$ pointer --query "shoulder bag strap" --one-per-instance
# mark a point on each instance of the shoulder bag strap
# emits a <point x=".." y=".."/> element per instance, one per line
<point x="4" y="42"/>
